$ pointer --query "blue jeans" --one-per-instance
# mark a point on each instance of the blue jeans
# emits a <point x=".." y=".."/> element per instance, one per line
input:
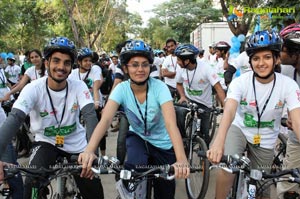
<point x="16" y="184"/>
<point x="141" y="152"/>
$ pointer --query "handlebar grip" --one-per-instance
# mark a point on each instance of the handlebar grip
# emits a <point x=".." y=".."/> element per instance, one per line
<point x="284" y="122"/>
<point x="183" y="104"/>
<point x="171" y="170"/>
<point x="74" y="159"/>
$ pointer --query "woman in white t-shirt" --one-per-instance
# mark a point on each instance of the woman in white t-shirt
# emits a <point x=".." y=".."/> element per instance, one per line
<point x="37" y="71"/>
<point x="253" y="110"/>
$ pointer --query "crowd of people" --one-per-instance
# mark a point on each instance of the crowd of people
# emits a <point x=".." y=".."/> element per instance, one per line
<point x="72" y="96"/>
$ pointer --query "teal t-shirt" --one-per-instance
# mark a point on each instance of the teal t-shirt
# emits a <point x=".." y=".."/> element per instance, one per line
<point x="158" y="94"/>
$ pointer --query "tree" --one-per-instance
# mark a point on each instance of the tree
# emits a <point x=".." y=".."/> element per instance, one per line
<point x="180" y="17"/>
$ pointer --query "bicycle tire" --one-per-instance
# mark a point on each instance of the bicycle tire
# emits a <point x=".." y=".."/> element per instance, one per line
<point x="197" y="183"/>
<point x="212" y="127"/>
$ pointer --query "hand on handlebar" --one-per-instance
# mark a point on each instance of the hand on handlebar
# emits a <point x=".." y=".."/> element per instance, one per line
<point x="215" y="153"/>
<point x="183" y="100"/>
<point x="86" y="159"/>
<point x="181" y="169"/>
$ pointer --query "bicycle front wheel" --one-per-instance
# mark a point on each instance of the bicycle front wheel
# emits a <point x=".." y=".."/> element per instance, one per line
<point x="197" y="183"/>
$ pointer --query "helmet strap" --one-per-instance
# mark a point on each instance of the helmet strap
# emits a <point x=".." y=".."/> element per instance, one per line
<point x="139" y="83"/>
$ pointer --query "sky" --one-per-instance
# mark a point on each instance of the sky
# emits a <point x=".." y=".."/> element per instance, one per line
<point x="143" y="7"/>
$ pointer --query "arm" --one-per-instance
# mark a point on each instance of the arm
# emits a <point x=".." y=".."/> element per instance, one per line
<point x="90" y="119"/>
<point x="86" y="158"/>
<point x="168" y="111"/>
<point x="294" y="115"/>
<point x="216" y="150"/>
<point x="166" y="73"/>
<point x="10" y="127"/>
<point x="220" y="92"/>
<point x="96" y="87"/>
<point x="180" y="90"/>
<point x="17" y="88"/>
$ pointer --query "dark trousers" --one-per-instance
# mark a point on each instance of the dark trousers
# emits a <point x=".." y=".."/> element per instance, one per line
<point x="44" y="155"/>
<point x="139" y="152"/>
<point x="204" y="128"/>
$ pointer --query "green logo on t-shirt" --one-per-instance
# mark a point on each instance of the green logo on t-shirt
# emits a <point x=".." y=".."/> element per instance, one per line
<point x="43" y="114"/>
<point x="250" y="122"/>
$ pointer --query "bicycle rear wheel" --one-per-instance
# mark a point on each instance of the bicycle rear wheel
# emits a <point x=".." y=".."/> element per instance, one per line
<point x="197" y="183"/>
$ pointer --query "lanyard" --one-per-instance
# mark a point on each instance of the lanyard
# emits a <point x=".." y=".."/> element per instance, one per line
<point x="85" y="75"/>
<point x="144" y="118"/>
<point x="266" y="103"/>
<point x="2" y="77"/>
<point x="174" y="65"/>
<point x="295" y="75"/>
<point x="51" y="102"/>
<point x="190" y="83"/>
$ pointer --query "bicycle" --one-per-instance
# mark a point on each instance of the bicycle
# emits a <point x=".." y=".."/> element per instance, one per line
<point x="197" y="183"/>
<point x="251" y="183"/>
<point x="62" y="172"/>
<point x="138" y="183"/>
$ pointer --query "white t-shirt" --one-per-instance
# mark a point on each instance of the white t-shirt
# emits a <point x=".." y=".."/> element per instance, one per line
<point x="113" y="67"/>
<point x="34" y="99"/>
<point x="289" y="71"/>
<point x="88" y="77"/>
<point x="170" y="63"/>
<point x="219" y="67"/>
<point x="241" y="90"/>
<point x="34" y="74"/>
<point x="157" y="62"/>
<point x="198" y="83"/>
<point x="13" y="73"/>
<point x="241" y="62"/>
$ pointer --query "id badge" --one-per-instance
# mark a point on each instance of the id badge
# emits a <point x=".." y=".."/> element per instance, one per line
<point x="256" y="140"/>
<point x="59" y="141"/>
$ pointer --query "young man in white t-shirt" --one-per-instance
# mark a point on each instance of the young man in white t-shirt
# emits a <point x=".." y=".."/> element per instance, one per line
<point x="194" y="83"/>
<point x="12" y="71"/>
<point x="170" y="66"/>
<point x="54" y="104"/>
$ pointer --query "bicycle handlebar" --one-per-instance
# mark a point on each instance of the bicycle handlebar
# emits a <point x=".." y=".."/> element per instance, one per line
<point x="193" y="106"/>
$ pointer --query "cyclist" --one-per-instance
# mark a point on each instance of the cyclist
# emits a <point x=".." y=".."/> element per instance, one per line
<point x="91" y="75"/>
<point x="194" y="83"/>
<point x="32" y="73"/>
<point x="201" y="54"/>
<point x="54" y="103"/>
<point x="222" y="52"/>
<point x="253" y="110"/>
<point x="170" y="67"/>
<point x="153" y="132"/>
<point x="12" y="71"/>
<point x="9" y="154"/>
<point x="290" y="55"/>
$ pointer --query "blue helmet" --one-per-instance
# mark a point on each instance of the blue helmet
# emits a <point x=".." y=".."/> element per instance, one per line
<point x="60" y="44"/>
<point x="263" y="40"/>
<point x="134" y="48"/>
<point x="186" y="51"/>
<point x="84" y="52"/>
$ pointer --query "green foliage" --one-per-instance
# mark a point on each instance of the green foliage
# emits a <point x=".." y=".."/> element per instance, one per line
<point x="178" y="18"/>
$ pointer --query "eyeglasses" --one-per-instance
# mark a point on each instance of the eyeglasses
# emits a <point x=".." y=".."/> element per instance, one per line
<point x="136" y="65"/>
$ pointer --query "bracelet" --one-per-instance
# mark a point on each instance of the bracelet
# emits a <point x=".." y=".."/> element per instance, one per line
<point x="97" y="102"/>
